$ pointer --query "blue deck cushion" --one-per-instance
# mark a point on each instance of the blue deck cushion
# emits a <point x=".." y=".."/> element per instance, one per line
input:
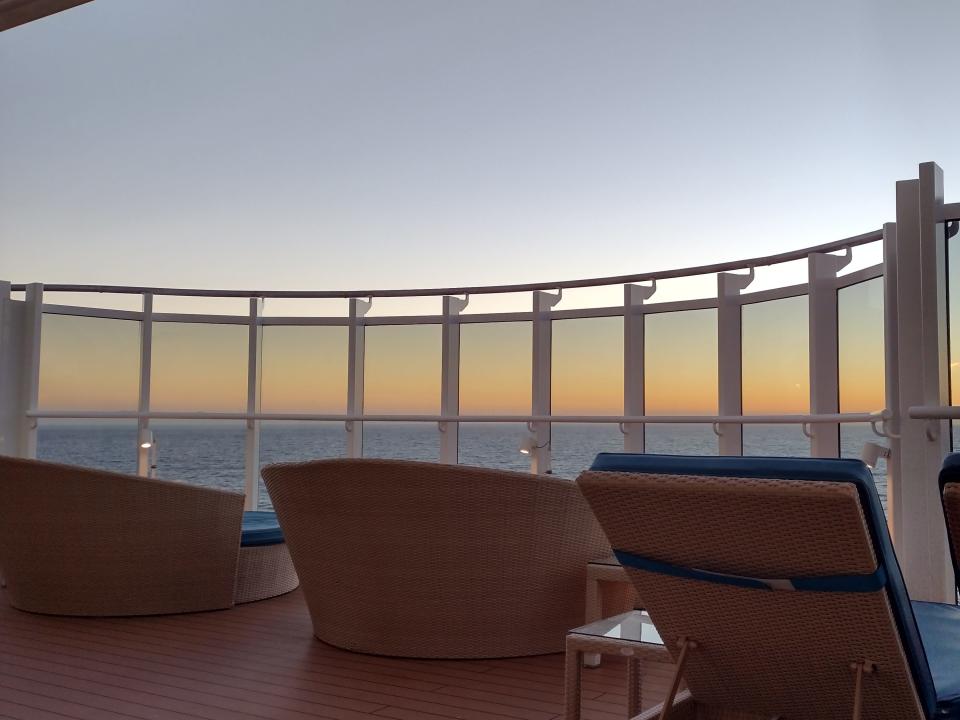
<point x="823" y="470"/>
<point x="260" y="528"/>
<point x="950" y="473"/>
<point x="940" y="630"/>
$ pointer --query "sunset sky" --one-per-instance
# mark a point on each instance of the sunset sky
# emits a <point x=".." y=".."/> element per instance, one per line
<point x="343" y="144"/>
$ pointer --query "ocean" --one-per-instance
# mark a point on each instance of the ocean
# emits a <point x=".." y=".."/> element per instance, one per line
<point x="212" y="453"/>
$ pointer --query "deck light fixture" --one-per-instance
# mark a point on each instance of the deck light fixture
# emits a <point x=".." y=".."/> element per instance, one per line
<point x="528" y="443"/>
<point x="872" y="452"/>
<point x="146" y="439"/>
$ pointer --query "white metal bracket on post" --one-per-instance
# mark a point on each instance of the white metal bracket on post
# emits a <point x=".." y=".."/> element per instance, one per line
<point x="143" y="402"/>
<point x="355" y="359"/>
<point x="30" y="368"/>
<point x="251" y="481"/>
<point x="542" y="363"/>
<point x="634" y="363"/>
<point x="450" y="377"/>
<point x="730" y="357"/>
<point x="822" y="270"/>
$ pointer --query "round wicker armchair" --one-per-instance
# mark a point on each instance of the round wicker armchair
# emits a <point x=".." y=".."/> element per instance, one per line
<point x="436" y="561"/>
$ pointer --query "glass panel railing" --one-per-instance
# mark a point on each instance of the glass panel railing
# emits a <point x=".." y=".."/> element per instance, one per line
<point x="401" y="440"/>
<point x="495" y="368"/>
<point x="587" y="366"/>
<point x="207" y="453"/>
<point x="402" y="370"/>
<point x="304" y="369"/>
<point x="493" y="445"/>
<point x="199" y="367"/>
<point x="680" y="356"/>
<point x="776" y="376"/>
<point x="89" y="363"/>
<point x="862" y="368"/>
<point x="953" y="313"/>
<point x="574" y="445"/>
<point x="283" y="441"/>
<point x="101" y="444"/>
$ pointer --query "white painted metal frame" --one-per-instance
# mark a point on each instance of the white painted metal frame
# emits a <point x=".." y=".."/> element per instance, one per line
<point x="143" y="403"/>
<point x="450" y="378"/>
<point x="355" y="367"/>
<point x="634" y="363"/>
<point x="251" y="480"/>
<point x="730" y="358"/>
<point x="540" y="455"/>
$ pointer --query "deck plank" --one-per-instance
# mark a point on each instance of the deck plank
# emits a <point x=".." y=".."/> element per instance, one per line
<point x="260" y="661"/>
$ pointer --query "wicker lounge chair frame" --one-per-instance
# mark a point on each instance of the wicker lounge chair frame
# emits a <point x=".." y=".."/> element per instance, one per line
<point x="430" y="560"/>
<point x="704" y="541"/>
<point x="76" y="541"/>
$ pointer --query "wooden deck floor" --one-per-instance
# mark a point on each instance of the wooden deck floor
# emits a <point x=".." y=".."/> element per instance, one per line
<point x="261" y="661"/>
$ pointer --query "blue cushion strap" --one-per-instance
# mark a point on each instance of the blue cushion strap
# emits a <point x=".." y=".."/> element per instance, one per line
<point x="826" y="583"/>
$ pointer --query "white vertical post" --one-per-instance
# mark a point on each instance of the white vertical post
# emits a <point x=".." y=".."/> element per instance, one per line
<point x="634" y="363"/>
<point x="450" y="377"/>
<point x="30" y="374"/>
<point x="891" y="346"/>
<point x="921" y="312"/>
<point x="251" y="481"/>
<point x="822" y="269"/>
<point x="143" y="403"/>
<point x="730" y="358"/>
<point x="355" y="343"/>
<point x="11" y="412"/>
<point x="541" y="401"/>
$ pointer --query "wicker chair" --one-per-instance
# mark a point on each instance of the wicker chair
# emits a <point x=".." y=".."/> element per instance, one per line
<point x="75" y="541"/>
<point x="774" y="584"/>
<point x="429" y="560"/>
<point x="950" y="495"/>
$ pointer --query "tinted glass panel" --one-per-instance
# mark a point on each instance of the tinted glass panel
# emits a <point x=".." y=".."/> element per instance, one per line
<point x="304" y="369"/>
<point x="776" y="376"/>
<point x="401" y="440"/>
<point x="402" y="369"/>
<point x="494" y="445"/>
<point x="587" y="373"/>
<point x="681" y="363"/>
<point x="101" y="444"/>
<point x="495" y="368"/>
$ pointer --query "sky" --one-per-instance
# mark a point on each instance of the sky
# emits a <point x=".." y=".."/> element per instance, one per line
<point x="321" y="144"/>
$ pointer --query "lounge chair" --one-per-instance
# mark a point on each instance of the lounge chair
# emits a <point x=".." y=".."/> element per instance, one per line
<point x="950" y="495"/>
<point x="432" y="560"/>
<point x="76" y="541"/>
<point x="775" y="585"/>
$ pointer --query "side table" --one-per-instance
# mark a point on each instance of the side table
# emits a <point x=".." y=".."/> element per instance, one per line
<point x="631" y="634"/>
<point x="606" y="571"/>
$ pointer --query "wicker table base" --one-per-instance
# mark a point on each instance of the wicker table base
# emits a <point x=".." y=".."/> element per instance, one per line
<point x="264" y="571"/>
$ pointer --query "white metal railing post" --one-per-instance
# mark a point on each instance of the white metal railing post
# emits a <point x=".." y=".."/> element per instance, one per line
<point x="143" y="402"/>
<point x="450" y="377"/>
<point x="251" y="481"/>
<point x="634" y="365"/>
<point x="824" y="349"/>
<point x="542" y="363"/>
<point x="921" y="328"/>
<point x="11" y="412"/>
<point x="355" y="358"/>
<point x="730" y="357"/>
<point x="30" y="373"/>
<point x="891" y="346"/>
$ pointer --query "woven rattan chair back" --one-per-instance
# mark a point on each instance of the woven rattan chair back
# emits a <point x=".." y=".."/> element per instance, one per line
<point x="432" y="560"/>
<point x="75" y="541"/>
<point x="773" y="653"/>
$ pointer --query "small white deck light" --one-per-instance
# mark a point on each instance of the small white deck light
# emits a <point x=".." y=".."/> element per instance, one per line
<point x="872" y="452"/>
<point x="528" y="443"/>
<point x="146" y="439"/>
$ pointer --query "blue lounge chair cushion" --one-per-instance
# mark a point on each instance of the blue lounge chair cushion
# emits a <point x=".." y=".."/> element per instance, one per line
<point x="950" y="473"/>
<point x="824" y="470"/>
<point x="940" y="629"/>
<point x="260" y="528"/>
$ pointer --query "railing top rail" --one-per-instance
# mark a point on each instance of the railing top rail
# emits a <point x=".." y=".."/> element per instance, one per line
<point x="849" y="242"/>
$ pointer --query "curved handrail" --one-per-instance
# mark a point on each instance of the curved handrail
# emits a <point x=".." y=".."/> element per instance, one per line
<point x="850" y="242"/>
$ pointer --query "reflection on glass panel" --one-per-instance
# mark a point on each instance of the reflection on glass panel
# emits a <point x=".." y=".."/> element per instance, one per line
<point x="495" y="368"/>
<point x="573" y="446"/>
<point x="283" y="441"/>
<point x="776" y="375"/>
<point x="304" y="369"/>
<point x="402" y="369"/>
<point x="401" y="440"/>
<point x="680" y="354"/>
<point x="860" y="333"/>
<point x="199" y="367"/>
<point x="587" y="372"/>
<point x="775" y="440"/>
<point x="680" y="439"/>
<point x="201" y="453"/>
<point x="89" y="363"/>
<point x="493" y="445"/>
<point x="101" y="444"/>
<point x="853" y="436"/>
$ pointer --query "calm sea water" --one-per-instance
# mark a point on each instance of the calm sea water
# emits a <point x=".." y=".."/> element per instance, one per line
<point x="212" y="453"/>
